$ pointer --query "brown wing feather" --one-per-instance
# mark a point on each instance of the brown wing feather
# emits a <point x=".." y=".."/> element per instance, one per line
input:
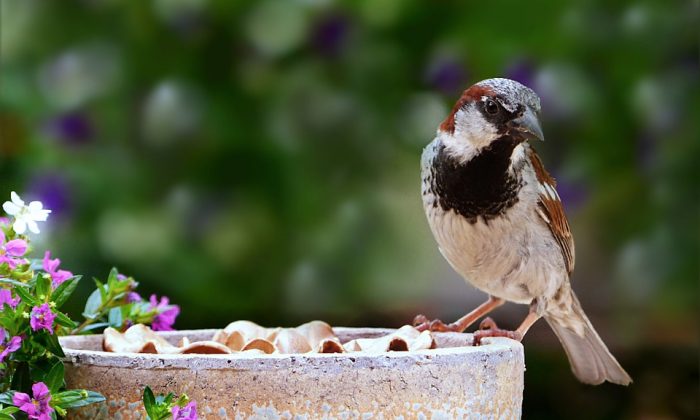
<point x="552" y="211"/>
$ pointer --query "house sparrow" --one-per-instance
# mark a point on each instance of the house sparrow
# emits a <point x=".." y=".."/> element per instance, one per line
<point x="498" y="221"/>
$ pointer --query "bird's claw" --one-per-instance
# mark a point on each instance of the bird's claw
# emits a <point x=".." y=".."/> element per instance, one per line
<point x="488" y="324"/>
<point x="422" y="323"/>
<point x="488" y="328"/>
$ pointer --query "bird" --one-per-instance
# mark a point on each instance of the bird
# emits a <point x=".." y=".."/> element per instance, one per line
<point x="499" y="222"/>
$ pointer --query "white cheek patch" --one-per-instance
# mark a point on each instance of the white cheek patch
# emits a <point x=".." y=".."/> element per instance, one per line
<point x="472" y="133"/>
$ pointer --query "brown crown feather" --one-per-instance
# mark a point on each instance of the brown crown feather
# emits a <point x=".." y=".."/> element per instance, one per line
<point x="472" y="94"/>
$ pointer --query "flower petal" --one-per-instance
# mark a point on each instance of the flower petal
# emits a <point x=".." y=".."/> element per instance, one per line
<point x="16" y="247"/>
<point x="10" y="208"/>
<point x="35" y="206"/>
<point x="15" y="199"/>
<point x="33" y="227"/>
<point x="20" y="226"/>
<point x="40" y="391"/>
<point x="20" y="398"/>
<point x="40" y="215"/>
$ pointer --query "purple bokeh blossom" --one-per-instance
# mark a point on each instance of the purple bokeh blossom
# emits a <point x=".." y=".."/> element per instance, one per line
<point x="573" y="194"/>
<point x="521" y="70"/>
<point x="73" y="128"/>
<point x="447" y="74"/>
<point x="53" y="190"/>
<point x="329" y="34"/>
<point x="7" y="299"/>
<point x="188" y="412"/>
<point x="165" y="313"/>
<point x="8" y="346"/>
<point x="37" y="407"/>
<point x="51" y="267"/>
<point x="42" y="318"/>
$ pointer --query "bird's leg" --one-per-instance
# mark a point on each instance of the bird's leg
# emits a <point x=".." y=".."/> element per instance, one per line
<point x="488" y="328"/>
<point x="422" y="323"/>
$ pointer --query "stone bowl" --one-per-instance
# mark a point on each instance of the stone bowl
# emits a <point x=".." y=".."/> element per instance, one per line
<point x="456" y="380"/>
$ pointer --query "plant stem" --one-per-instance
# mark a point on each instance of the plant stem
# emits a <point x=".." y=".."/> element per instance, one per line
<point x="89" y="321"/>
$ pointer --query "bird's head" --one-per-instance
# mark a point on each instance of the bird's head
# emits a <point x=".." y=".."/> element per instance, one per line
<point x="487" y="111"/>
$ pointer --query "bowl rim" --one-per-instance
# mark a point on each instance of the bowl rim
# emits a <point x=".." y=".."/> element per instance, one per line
<point x="491" y="346"/>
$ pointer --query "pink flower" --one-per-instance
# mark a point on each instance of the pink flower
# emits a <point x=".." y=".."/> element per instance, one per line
<point x="11" y="251"/>
<point x="8" y="346"/>
<point x="166" y="314"/>
<point x="188" y="412"/>
<point x="6" y="299"/>
<point x="42" y="318"/>
<point x="51" y="267"/>
<point x="37" y="407"/>
<point x="16" y="247"/>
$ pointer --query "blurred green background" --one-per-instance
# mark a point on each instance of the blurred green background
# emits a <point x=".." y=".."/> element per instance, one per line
<point x="260" y="160"/>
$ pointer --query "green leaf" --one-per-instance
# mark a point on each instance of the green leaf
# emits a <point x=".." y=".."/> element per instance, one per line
<point x="62" y="319"/>
<point x="53" y="345"/>
<point x="14" y="283"/>
<point x="59" y="411"/>
<point x="21" y="380"/>
<point x="43" y="286"/>
<point x="27" y="297"/>
<point x="9" y="410"/>
<point x="65" y="290"/>
<point x="4" y="416"/>
<point x="92" y="306"/>
<point x="7" y="321"/>
<point x="149" y="402"/>
<point x="103" y="290"/>
<point x="54" y="379"/>
<point x="112" y="279"/>
<point x="6" y="398"/>
<point x="75" y="398"/>
<point x="95" y="326"/>
<point x="115" y="317"/>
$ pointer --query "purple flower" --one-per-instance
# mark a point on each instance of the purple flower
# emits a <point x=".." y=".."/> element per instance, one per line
<point x="37" y="407"/>
<point x="11" y="251"/>
<point x="521" y="70"/>
<point x="42" y="318"/>
<point x="330" y="34"/>
<point x="447" y="74"/>
<point x="8" y="346"/>
<point x="6" y="299"/>
<point x="188" y="412"/>
<point x="54" y="190"/>
<point x="51" y="267"/>
<point x="16" y="247"/>
<point x="165" y="314"/>
<point x="133" y="297"/>
<point x="73" y="128"/>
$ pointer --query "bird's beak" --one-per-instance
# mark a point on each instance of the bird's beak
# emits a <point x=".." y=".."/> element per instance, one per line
<point x="529" y="125"/>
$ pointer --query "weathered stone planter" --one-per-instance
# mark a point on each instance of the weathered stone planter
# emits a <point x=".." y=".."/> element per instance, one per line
<point x="453" y="381"/>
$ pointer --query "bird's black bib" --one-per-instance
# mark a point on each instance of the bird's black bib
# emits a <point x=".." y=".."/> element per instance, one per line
<point x="480" y="187"/>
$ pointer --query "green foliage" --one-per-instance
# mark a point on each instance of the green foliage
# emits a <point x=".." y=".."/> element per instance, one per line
<point x="160" y="407"/>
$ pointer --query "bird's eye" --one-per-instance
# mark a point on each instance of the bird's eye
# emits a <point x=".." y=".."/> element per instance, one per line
<point x="491" y="107"/>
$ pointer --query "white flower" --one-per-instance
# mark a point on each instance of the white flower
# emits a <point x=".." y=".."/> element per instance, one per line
<point x="25" y="216"/>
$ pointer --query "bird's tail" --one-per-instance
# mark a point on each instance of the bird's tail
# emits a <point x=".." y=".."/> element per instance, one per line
<point x="590" y="359"/>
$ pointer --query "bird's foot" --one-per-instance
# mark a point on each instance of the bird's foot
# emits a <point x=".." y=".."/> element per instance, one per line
<point x="422" y="323"/>
<point x="488" y="328"/>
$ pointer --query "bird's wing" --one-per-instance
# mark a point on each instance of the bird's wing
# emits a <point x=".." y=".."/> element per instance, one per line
<point x="552" y="211"/>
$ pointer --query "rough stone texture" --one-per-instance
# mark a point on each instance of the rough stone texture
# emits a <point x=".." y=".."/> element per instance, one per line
<point x="456" y="380"/>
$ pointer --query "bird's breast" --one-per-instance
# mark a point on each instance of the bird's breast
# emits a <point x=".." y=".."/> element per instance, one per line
<point x="508" y="255"/>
